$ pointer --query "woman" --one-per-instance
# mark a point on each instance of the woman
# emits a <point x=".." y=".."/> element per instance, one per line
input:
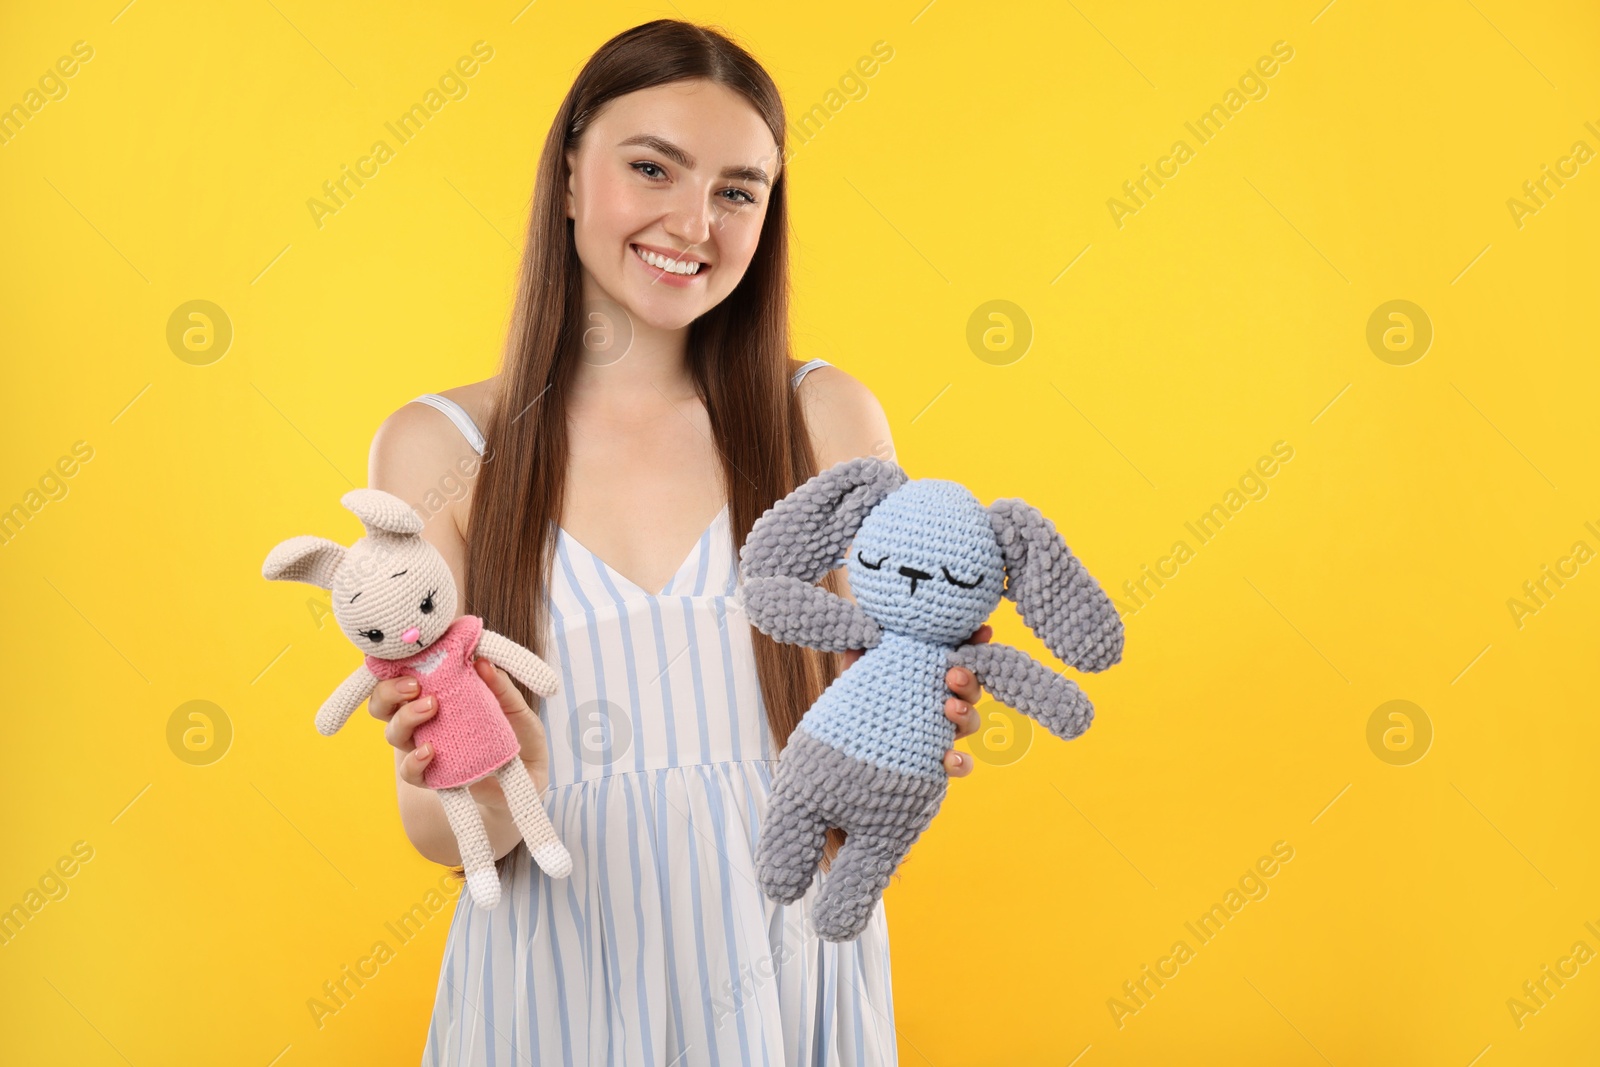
<point x="646" y="385"/>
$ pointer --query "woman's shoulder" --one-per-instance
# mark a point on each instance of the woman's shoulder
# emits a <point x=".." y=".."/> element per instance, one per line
<point x="477" y="399"/>
<point x="417" y="425"/>
<point x="843" y="415"/>
<point x="418" y="449"/>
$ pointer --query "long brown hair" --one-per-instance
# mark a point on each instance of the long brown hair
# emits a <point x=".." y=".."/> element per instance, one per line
<point x="738" y="354"/>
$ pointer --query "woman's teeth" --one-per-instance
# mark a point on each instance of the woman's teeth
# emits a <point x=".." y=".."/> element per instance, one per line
<point x="671" y="266"/>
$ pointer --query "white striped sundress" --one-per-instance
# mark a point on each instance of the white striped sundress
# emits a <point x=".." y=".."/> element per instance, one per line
<point x="659" y="950"/>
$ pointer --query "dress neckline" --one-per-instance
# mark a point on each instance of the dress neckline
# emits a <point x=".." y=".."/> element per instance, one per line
<point x="688" y="560"/>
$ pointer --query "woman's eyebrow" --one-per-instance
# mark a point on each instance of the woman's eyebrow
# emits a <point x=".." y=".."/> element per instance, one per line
<point x="684" y="159"/>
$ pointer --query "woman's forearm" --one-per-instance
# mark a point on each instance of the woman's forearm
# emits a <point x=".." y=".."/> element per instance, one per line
<point x="427" y="828"/>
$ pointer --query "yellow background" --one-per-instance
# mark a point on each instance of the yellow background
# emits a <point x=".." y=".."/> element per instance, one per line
<point x="1229" y="313"/>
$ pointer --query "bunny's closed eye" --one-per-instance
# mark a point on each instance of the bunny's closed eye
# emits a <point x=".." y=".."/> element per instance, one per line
<point x="953" y="580"/>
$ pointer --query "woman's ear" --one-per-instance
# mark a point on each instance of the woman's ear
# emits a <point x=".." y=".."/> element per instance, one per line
<point x="1059" y="600"/>
<point x="802" y="535"/>
<point x="313" y="560"/>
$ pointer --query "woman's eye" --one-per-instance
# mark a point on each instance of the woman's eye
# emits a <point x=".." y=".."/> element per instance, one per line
<point x="375" y="636"/>
<point x="871" y="566"/>
<point x="953" y="580"/>
<point x="427" y="605"/>
<point x="651" y="170"/>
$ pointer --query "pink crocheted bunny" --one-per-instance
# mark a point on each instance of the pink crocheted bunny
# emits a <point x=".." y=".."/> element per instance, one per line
<point x="391" y="594"/>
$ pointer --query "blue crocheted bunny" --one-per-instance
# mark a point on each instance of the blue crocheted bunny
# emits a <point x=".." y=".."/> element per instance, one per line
<point x="928" y="565"/>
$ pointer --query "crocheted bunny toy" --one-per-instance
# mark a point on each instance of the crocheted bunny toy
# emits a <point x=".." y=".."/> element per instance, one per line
<point x="929" y="565"/>
<point x="392" y="595"/>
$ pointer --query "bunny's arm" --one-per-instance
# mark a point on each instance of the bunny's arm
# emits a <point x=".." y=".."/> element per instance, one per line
<point x="351" y="694"/>
<point x="794" y="612"/>
<point x="518" y="662"/>
<point x="1019" y="681"/>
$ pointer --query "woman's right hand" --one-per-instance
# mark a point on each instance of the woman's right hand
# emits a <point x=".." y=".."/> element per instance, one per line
<point x="395" y="702"/>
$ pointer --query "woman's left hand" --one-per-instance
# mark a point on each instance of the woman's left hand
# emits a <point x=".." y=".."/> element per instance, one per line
<point x="958" y="708"/>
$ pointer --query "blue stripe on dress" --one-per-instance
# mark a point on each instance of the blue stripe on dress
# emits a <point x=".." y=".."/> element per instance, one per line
<point x="699" y="682"/>
<point x="564" y="664"/>
<point x="487" y="1004"/>
<point x="705" y="559"/>
<point x="635" y="719"/>
<point x="559" y="978"/>
<point x="638" y="917"/>
<point x="658" y="843"/>
<point x="608" y="925"/>
<point x="699" y="927"/>
<point x="663" y="683"/>
<point x="461" y="1034"/>
<point x="578" y="910"/>
<point x="720" y="609"/>
<point x="719" y="819"/>
<point x="529" y="1018"/>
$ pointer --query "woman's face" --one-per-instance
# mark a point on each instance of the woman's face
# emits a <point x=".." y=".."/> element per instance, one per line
<point x="683" y="170"/>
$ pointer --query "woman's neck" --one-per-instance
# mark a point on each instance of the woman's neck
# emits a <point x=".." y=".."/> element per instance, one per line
<point x="627" y="362"/>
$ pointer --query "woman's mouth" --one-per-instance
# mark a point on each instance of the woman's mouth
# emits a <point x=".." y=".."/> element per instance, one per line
<point x="678" y="273"/>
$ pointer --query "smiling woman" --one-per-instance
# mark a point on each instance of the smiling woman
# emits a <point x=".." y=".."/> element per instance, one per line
<point x="605" y="536"/>
<point x="650" y="200"/>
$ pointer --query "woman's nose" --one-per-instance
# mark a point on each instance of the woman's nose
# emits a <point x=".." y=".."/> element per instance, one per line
<point x="411" y="635"/>
<point x="692" y="224"/>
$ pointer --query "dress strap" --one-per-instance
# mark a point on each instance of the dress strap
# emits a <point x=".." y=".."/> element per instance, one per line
<point x="806" y="369"/>
<point x="458" y="415"/>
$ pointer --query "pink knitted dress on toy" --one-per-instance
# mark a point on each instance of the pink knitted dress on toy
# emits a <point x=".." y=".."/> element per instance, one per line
<point x="469" y="733"/>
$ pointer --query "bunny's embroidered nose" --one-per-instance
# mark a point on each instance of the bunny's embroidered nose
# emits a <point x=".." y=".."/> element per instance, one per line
<point x="915" y="576"/>
<point x="411" y="635"/>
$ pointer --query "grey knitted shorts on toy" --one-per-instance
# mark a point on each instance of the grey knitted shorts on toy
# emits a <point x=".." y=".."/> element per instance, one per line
<point x="882" y="811"/>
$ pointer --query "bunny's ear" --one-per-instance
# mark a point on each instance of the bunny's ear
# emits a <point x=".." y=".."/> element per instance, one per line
<point x="383" y="511"/>
<point x="802" y="535"/>
<point x="308" y="559"/>
<point x="1059" y="600"/>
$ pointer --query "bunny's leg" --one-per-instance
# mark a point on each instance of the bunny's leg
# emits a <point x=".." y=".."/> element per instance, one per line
<point x="882" y="812"/>
<point x="855" y="881"/>
<point x="527" y="811"/>
<point x="790" y="847"/>
<point x="483" y="881"/>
